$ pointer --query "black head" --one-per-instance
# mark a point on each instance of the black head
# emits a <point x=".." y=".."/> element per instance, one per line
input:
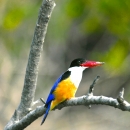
<point x="77" y="62"/>
<point x="85" y="63"/>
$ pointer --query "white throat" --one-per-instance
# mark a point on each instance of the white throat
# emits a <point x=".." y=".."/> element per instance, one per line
<point x="76" y="75"/>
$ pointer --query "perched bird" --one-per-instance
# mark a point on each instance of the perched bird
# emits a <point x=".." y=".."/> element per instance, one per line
<point x="67" y="84"/>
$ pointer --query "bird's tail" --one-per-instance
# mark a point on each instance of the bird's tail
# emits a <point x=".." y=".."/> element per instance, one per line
<point x="46" y="114"/>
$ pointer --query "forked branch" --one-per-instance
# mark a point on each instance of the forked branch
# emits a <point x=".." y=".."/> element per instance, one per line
<point x="88" y="99"/>
<point x="31" y="75"/>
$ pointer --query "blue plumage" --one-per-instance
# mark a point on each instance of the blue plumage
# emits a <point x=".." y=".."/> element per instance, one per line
<point x="50" y="98"/>
<point x="46" y="114"/>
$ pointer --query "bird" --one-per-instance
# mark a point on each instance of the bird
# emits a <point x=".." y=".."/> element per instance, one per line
<point x="66" y="85"/>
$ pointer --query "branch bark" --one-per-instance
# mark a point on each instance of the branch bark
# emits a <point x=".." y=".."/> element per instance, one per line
<point x="30" y="81"/>
<point x="85" y="100"/>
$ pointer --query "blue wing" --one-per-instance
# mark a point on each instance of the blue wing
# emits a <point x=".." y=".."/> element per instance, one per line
<point x="50" y="99"/>
<point x="46" y="113"/>
<point x="62" y="77"/>
<point x="51" y="96"/>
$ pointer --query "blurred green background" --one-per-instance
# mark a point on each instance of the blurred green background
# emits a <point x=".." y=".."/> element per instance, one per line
<point x="96" y="30"/>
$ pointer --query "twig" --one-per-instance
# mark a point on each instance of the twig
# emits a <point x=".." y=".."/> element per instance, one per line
<point x="121" y="99"/>
<point x="42" y="100"/>
<point x="91" y="88"/>
<point x="38" y="101"/>
<point x="92" y="85"/>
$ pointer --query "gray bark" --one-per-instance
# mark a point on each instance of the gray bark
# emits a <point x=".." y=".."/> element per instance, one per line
<point x="30" y="81"/>
<point x="85" y="100"/>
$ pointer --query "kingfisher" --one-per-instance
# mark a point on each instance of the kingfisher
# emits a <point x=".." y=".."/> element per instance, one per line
<point x="67" y="84"/>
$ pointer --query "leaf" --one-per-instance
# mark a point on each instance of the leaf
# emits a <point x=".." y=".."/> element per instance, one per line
<point x="13" y="18"/>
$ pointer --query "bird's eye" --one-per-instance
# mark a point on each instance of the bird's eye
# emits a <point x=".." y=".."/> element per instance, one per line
<point x="79" y="61"/>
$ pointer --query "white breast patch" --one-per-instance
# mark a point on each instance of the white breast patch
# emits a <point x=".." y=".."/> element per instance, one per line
<point x="76" y="75"/>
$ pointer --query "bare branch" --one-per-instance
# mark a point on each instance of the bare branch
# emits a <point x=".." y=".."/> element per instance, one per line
<point x="95" y="100"/>
<point x="30" y="81"/>
<point x="91" y="88"/>
<point x="42" y="100"/>
<point x="121" y="99"/>
<point x="83" y="100"/>
<point x="92" y="85"/>
<point x="38" y="101"/>
<point x="120" y="96"/>
<point x="86" y="100"/>
<point x="34" y="57"/>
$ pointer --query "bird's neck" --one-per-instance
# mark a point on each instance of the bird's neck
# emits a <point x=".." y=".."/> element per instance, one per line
<point x="76" y="75"/>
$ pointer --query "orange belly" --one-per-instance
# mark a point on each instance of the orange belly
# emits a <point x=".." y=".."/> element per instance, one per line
<point x="64" y="91"/>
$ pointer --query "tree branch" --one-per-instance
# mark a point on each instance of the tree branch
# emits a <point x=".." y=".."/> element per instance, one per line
<point x="83" y="100"/>
<point x="88" y="99"/>
<point x="30" y="81"/>
<point x="91" y="89"/>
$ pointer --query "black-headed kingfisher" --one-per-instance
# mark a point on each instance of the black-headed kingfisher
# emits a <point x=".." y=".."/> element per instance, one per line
<point x="67" y="84"/>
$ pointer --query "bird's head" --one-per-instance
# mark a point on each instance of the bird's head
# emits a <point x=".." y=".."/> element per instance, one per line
<point x="85" y="63"/>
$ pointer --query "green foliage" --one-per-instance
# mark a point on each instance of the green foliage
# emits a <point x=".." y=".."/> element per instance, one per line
<point x="14" y="23"/>
<point x="116" y="55"/>
<point x="116" y="15"/>
<point x="75" y="8"/>
<point x="13" y="18"/>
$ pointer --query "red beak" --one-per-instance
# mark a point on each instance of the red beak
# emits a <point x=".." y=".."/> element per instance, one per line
<point x="91" y="64"/>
